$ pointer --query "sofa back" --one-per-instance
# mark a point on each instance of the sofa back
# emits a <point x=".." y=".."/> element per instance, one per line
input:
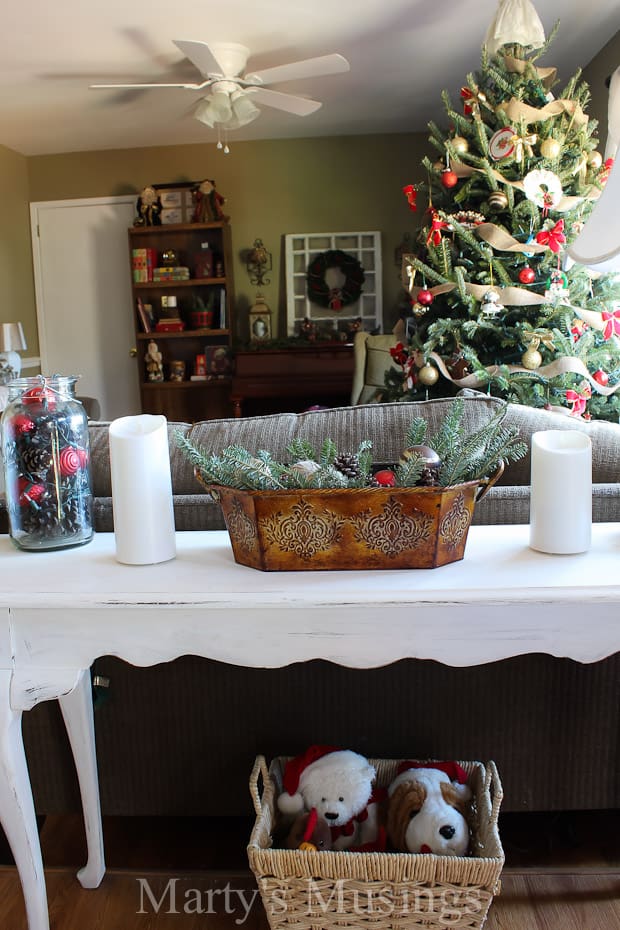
<point x="385" y="425"/>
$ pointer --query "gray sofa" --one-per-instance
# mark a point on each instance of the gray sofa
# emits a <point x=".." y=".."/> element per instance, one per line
<point x="180" y="738"/>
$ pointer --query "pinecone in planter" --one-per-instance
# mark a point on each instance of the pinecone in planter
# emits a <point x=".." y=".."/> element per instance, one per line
<point x="348" y="464"/>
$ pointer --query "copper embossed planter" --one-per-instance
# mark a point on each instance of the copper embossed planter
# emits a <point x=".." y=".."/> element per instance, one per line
<point x="365" y="528"/>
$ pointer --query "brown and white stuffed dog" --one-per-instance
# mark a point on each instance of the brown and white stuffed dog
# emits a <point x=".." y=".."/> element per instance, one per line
<point x="426" y="806"/>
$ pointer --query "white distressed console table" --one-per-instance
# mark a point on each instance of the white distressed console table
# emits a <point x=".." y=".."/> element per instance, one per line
<point x="59" y="611"/>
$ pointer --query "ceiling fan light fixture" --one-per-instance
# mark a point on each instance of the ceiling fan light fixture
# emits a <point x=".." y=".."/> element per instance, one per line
<point x="204" y="112"/>
<point x="220" y="106"/>
<point x="243" y="109"/>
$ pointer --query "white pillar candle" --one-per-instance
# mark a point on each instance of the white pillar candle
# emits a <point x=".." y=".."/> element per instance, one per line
<point x="561" y="491"/>
<point x="142" y="490"/>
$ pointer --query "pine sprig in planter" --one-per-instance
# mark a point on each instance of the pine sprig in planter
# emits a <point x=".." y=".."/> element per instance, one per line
<point x="464" y="456"/>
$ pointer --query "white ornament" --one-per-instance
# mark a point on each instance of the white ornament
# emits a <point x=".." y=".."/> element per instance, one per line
<point x="306" y="468"/>
<point x="501" y="143"/>
<point x="491" y="305"/>
<point x="543" y="187"/>
<point x="516" y="21"/>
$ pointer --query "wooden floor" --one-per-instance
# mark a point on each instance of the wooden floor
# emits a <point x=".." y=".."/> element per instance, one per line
<point x="562" y="873"/>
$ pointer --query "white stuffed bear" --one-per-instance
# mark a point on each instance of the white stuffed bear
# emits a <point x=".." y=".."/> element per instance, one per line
<point x="338" y="784"/>
<point x="426" y="802"/>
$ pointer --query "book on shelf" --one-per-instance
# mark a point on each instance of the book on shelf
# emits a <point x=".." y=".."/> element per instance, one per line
<point x="223" y="308"/>
<point x="143" y="262"/>
<point x="144" y="316"/>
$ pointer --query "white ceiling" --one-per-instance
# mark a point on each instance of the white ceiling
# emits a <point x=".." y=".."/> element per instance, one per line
<point x="402" y="54"/>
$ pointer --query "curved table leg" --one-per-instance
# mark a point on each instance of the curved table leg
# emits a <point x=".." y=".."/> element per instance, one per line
<point x="77" y="711"/>
<point x="17" y="809"/>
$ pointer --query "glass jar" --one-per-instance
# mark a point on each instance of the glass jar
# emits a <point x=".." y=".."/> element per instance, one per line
<point x="46" y="455"/>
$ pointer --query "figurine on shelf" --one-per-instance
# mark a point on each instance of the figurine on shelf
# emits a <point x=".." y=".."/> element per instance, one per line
<point x="208" y="203"/>
<point x="308" y="329"/>
<point x="148" y="208"/>
<point x="153" y="362"/>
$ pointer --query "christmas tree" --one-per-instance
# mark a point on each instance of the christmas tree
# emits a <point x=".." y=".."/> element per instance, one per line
<point x="496" y="304"/>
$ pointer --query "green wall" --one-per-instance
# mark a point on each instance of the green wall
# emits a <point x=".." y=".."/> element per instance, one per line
<point x="17" y="302"/>
<point x="349" y="183"/>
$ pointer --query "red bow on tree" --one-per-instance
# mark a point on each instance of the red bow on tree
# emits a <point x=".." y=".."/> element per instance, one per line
<point x="553" y="238"/>
<point x="399" y="354"/>
<point x="410" y="193"/>
<point x="612" y="323"/>
<point x="434" y="233"/>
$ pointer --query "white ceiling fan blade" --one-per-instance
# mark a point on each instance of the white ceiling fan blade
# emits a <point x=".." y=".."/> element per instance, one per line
<point x="309" y="67"/>
<point x="227" y="59"/>
<point x="200" y="55"/>
<point x="186" y="86"/>
<point x="300" y="106"/>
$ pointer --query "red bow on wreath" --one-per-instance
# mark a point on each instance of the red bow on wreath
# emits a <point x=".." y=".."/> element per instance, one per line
<point x="434" y="233"/>
<point x="410" y="193"/>
<point x="335" y="299"/>
<point x="553" y="238"/>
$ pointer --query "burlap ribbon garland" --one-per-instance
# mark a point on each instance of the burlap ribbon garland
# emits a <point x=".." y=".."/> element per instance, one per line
<point x="510" y="296"/>
<point x="517" y="66"/>
<point x="516" y="111"/>
<point x="502" y="241"/>
<point x="566" y="203"/>
<point x="561" y="366"/>
<point x="565" y="365"/>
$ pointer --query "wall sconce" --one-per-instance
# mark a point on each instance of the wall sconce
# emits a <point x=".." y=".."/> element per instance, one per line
<point x="12" y="342"/>
<point x="258" y="263"/>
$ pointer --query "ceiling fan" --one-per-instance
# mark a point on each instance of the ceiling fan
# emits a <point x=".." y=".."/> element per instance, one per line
<point x="230" y="102"/>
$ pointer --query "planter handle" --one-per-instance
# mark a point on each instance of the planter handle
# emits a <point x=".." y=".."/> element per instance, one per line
<point x="489" y="482"/>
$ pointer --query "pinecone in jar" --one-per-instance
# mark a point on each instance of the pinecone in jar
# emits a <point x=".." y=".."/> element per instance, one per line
<point x="42" y="518"/>
<point x="36" y="459"/>
<point x="348" y="464"/>
<point x="431" y="464"/>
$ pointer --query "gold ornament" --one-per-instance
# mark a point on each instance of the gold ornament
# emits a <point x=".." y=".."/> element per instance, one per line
<point x="550" y="148"/>
<point x="460" y="145"/>
<point x="595" y="160"/>
<point x="498" y="200"/>
<point x="428" y="375"/>
<point x="531" y="359"/>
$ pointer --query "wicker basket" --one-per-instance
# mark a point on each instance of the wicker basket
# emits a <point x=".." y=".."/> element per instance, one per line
<point x="351" y="528"/>
<point x="377" y="891"/>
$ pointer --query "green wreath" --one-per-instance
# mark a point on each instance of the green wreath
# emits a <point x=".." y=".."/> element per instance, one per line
<point x="336" y="298"/>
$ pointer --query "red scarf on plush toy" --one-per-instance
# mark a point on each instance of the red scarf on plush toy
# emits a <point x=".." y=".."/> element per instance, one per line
<point x="347" y="829"/>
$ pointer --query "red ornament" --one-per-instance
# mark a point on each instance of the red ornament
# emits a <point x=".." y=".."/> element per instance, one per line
<point x="69" y="461"/>
<point x="527" y="275"/>
<point x="601" y="377"/>
<point x="410" y="193"/>
<point x="39" y="395"/>
<point x="385" y="478"/>
<point x="29" y="493"/>
<point x="22" y="424"/>
<point x="425" y="297"/>
<point x="449" y="178"/>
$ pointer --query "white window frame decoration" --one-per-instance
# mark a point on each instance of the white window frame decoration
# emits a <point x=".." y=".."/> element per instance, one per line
<point x="365" y="313"/>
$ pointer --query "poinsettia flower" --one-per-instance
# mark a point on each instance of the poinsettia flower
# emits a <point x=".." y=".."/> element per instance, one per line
<point x="553" y="238"/>
<point x="612" y="323"/>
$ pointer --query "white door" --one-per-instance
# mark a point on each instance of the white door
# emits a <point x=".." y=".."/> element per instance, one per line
<point x="83" y="292"/>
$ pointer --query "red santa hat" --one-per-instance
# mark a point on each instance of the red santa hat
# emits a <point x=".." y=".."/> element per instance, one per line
<point x="453" y="770"/>
<point x="291" y="800"/>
